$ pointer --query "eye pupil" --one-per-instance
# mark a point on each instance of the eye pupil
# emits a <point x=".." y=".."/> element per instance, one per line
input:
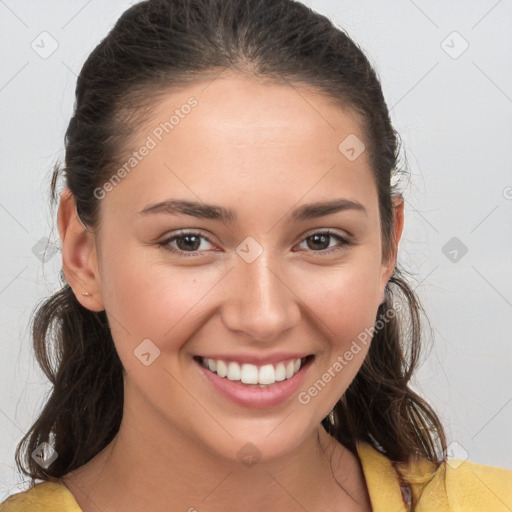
<point x="320" y="238"/>
<point x="195" y="244"/>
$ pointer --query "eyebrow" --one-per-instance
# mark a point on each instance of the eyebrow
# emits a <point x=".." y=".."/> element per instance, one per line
<point x="215" y="212"/>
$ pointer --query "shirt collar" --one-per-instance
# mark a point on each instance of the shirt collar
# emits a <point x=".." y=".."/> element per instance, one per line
<point x="382" y="480"/>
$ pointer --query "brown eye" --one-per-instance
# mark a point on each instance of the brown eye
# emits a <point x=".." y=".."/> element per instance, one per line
<point x="186" y="244"/>
<point x="321" y="242"/>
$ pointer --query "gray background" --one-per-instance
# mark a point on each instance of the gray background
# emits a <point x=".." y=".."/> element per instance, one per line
<point x="453" y="110"/>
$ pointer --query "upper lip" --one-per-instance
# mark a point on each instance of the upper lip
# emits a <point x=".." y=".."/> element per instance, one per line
<point x="258" y="360"/>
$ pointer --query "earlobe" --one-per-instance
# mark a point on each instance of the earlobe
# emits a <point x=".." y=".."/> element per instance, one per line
<point x="79" y="261"/>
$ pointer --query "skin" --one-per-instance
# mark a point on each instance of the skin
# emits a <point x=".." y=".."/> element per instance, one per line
<point x="262" y="150"/>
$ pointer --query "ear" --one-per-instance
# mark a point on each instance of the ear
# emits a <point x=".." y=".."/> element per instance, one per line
<point x="389" y="266"/>
<point x="79" y="261"/>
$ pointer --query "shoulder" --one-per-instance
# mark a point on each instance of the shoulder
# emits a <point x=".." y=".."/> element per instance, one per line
<point x="43" y="497"/>
<point x="470" y="487"/>
<point x="453" y="485"/>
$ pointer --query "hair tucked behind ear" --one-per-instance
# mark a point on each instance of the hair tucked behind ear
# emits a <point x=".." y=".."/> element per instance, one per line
<point x="157" y="46"/>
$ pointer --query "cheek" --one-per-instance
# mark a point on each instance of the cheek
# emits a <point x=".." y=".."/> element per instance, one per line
<point x="344" y="300"/>
<point x="146" y="299"/>
<point x="344" y="307"/>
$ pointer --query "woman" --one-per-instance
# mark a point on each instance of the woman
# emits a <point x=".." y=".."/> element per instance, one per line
<point x="233" y="332"/>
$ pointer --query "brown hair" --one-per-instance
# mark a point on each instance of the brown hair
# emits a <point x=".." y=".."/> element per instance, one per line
<point x="158" y="45"/>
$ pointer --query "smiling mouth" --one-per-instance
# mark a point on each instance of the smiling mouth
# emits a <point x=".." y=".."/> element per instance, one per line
<point x="252" y="375"/>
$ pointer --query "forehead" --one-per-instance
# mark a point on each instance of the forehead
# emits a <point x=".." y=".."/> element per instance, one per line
<point x="242" y="111"/>
<point x="237" y="135"/>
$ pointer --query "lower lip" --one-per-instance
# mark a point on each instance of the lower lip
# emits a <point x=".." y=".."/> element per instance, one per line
<point x="257" y="398"/>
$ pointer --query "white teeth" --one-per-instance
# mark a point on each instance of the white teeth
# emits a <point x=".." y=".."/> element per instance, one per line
<point x="263" y="376"/>
<point x="222" y="369"/>
<point x="267" y="375"/>
<point x="289" y="369"/>
<point x="233" y="371"/>
<point x="249" y="374"/>
<point x="280" y="372"/>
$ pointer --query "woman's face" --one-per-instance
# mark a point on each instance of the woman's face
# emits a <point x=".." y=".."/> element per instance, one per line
<point x="257" y="280"/>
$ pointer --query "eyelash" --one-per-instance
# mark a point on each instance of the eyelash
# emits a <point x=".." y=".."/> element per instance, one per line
<point x="165" y="243"/>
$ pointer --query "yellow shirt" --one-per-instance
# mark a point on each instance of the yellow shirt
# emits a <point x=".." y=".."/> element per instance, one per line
<point x="456" y="486"/>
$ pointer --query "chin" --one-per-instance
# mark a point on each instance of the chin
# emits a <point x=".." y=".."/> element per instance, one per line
<point x="257" y="443"/>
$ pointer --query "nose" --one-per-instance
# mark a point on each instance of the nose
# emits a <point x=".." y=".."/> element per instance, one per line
<point x="260" y="302"/>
